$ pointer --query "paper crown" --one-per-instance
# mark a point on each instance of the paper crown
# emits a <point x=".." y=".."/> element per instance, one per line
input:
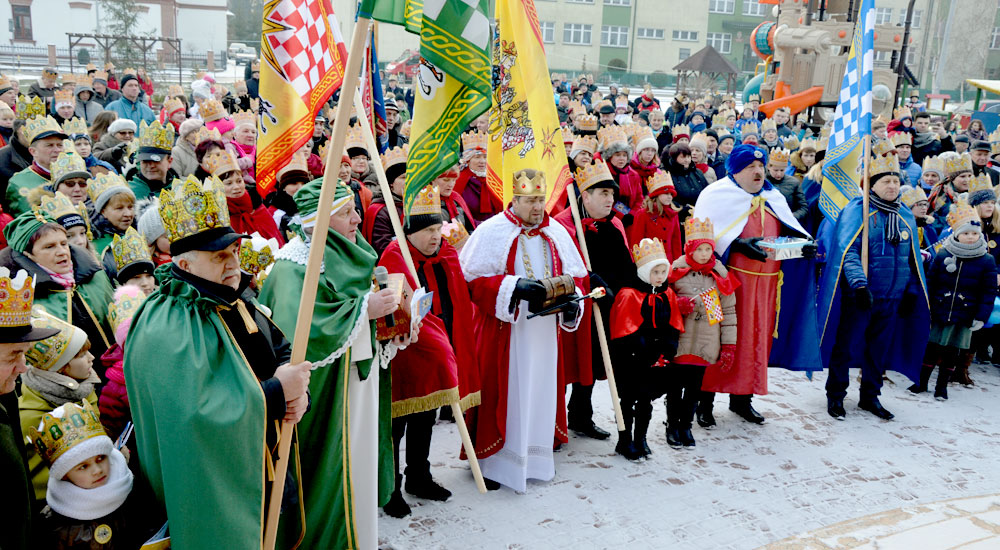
<point x="659" y="181"/>
<point x="900" y="113"/>
<point x="958" y="163"/>
<point x="101" y="75"/>
<point x="69" y="78"/>
<point x="455" y="233"/>
<point x="586" y="123"/>
<point x="901" y="138"/>
<point x="427" y="203"/>
<point x="191" y="207"/>
<point x="568" y="135"/>
<point x="123" y="307"/>
<point x="257" y="253"/>
<point x="585" y="143"/>
<point x="36" y="127"/>
<point x="50" y="353"/>
<point x="698" y="230"/>
<point x="648" y="250"/>
<point x="16" y="297"/>
<point x="102" y="182"/>
<point x="884" y="164"/>
<point x="912" y="196"/>
<point x="474" y="140"/>
<point x="109" y="66"/>
<point x="641" y="133"/>
<point x="750" y="128"/>
<point x="394" y="156"/>
<point x="934" y="164"/>
<point x="211" y="109"/>
<point x="130" y="71"/>
<point x="961" y="213"/>
<point x="129" y="249"/>
<point x="529" y="187"/>
<point x="779" y="155"/>
<point x="577" y="108"/>
<point x="171" y="105"/>
<point x="75" y="127"/>
<point x="5" y="83"/>
<point x="719" y="120"/>
<point x="791" y="143"/>
<point x="220" y="162"/>
<point x="59" y="435"/>
<point x="768" y="124"/>
<point x="808" y="143"/>
<point x="244" y="117"/>
<point x="69" y="163"/>
<point x="240" y="86"/>
<point x="882" y="147"/>
<point x="175" y="90"/>
<point x="355" y="138"/>
<point x="58" y="205"/>
<point x="591" y="174"/>
<point x="63" y="96"/>
<point x="681" y="130"/>
<point x="982" y="182"/>
<point x="155" y="136"/>
<point x="202" y="134"/>
<point x="753" y="97"/>
<point x="298" y="163"/>
<point x="603" y="103"/>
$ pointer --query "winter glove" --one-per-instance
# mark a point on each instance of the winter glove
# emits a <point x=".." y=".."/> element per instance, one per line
<point x="597" y="282"/>
<point x="529" y="290"/>
<point x="862" y="299"/>
<point x="907" y="305"/>
<point x="685" y="305"/>
<point x="977" y="324"/>
<point x="118" y="151"/>
<point x="809" y="251"/>
<point x="749" y="248"/>
<point x="570" y="312"/>
<point x="726" y="357"/>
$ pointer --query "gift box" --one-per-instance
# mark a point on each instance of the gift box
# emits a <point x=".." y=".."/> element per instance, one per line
<point x="400" y="325"/>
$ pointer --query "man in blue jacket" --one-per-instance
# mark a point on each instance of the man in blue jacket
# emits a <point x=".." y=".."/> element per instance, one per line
<point x="129" y="105"/>
<point x="910" y="172"/>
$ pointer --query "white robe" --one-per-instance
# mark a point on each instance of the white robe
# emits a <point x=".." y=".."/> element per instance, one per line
<point x="362" y="403"/>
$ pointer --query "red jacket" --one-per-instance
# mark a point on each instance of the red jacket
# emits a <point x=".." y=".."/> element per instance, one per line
<point x="244" y="218"/>
<point x="113" y="403"/>
<point x="666" y="227"/>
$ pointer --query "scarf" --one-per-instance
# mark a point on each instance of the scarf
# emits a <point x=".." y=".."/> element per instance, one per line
<point x="89" y="504"/>
<point x="966" y="251"/>
<point x="726" y="285"/>
<point x="923" y="139"/>
<point x="245" y="150"/>
<point x="66" y="280"/>
<point x="58" y="388"/>
<point x="102" y="227"/>
<point x="891" y="231"/>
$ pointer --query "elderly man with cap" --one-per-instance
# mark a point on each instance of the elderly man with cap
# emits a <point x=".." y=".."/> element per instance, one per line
<point x="392" y="124"/>
<point x="113" y="146"/>
<point x="45" y="87"/>
<point x="980" y="153"/>
<point x="102" y="93"/>
<point x="206" y="401"/>
<point x="45" y="137"/>
<point x="153" y="157"/>
<point x="746" y="208"/>
<point x="17" y="507"/>
<point x="129" y="105"/>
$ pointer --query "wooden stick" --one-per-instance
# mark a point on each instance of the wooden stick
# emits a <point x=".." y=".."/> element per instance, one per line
<point x="397" y="227"/>
<point x="865" y="189"/>
<point x="602" y="339"/>
<point x="303" y="322"/>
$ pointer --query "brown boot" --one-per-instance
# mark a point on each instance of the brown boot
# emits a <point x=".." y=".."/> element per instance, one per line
<point x="962" y="371"/>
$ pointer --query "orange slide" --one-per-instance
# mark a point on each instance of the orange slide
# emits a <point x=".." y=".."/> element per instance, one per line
<point x="796" y="102"/>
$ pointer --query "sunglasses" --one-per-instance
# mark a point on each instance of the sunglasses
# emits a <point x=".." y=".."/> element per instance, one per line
<point x="74" y="183"/>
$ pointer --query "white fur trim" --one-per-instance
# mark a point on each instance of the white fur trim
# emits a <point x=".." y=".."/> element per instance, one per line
<point x="296" y="251"/>
<point x="363" y="318"/>
<point x="100" y="445"/>
<point x="89" y="504"/>
<point x="504" y="296"/>
<point x="571" y="327"/>
<point x="485" y="253"/>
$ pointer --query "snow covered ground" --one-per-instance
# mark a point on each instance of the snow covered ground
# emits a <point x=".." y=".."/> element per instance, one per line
<point x="744" y="486"/>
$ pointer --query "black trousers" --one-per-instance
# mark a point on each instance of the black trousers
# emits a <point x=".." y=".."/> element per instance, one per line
<point x="863" y="340"/>
<point x="683" y="386"/>
<point x="418" y="428"/>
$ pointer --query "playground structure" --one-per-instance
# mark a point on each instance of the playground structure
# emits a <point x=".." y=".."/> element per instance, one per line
<point x="804" y="55"/>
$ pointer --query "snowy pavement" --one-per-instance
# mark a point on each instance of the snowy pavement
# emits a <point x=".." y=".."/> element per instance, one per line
<point x="744" y="486"/>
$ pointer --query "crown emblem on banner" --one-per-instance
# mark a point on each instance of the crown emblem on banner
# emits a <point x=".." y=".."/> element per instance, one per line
<point x="124" y="307"/>
<point x="45" y="353"/>
<point x="658" y="181"/>
<point x="75" y="127"/>
<point x="355" y="138"/>
<point x="900" y="113"/>
<point x="884" y="164"/>
<point x="960" y="163"/>
<point x="394" y="156"/>
<point x="175" y="90"/>
<point x="129" y="249"/>
<point x="257" y="254"/>
<point x="982" y="182"/>
<point x="768" y="124"/>
<point x="59" y="435"/>
<point x="934" y="164"/>
<point x="171" y="105"/>
<point x="39" y="125"/>
<point x="16" y="297"/>
<point x="221" y="162"/>
<point x="780" y="155"/>
<point x="244" y="117"/>
<point x="63" y="96"/>
<point x="648" y="250"/>
<point x="427" y="203"/>
<point x="204" y="133"/>
<point x="56" y="206"/>
<point x="155" y="136"/>
<point x="192" y="206"/>
<point x="586" y="123"/>
<point x="681" y="130"/>
<point x="529" y="187"/>
<point x="592" y="174"/>
<point x="455" y="233"/>
<point x="912" y="196"/>
<point x="611" y="135"/>
<point x="102" y="182"/>
<point x="474" y="140"/>
<point x="68" y="162"/>
<point x="568" y="135"/>
<point x="960" y="214"/>
<point x="585" y="143"/>
<point x="211" y="109"/>
<point x="640" y="134"/>
<point x="901" y="138"/>
<point x="753" y="97"/>
<point x="699" y="230"/>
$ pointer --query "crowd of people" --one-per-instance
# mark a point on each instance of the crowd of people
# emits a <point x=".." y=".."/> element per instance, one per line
<point x="149" y="293"/>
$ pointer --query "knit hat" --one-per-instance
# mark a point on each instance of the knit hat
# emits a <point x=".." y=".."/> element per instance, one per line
<point x="125" y="78"/>
<point x="223" y="125"/>
<point x="201" y="88"/>
<point x="742" y="156"/>
<point x="307" y="200"/>
<point x="150" y="223"/>
<point x="103" y="188"/>
<point x="121" y="124"/>
<point x="981" y="190"/>
<point x="188" y="126"/>
<point x="647" y="143"/>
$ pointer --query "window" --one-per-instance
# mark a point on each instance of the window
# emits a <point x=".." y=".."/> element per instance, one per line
<point x="22" y="22"/>
<point x="917" y="16"/>
<point x="580" y="1"/>
<point x="721" y="41"/>
<point x="721" y="6"/>
<point x="883" y="16"/>
<point x="683" y="54"/>
<point x="883" y="58"/>
<point x="548" y="29"/>
<point x="752" y="7"/>
<point x="651" y="34"/>
<point x="576" y="33"/>
<point x="617" y="2"/>
<point x="686" y="36"/>
<point x="616" y="37"/>
<point x="911" y="56"/>
<point x="995" y="39"/>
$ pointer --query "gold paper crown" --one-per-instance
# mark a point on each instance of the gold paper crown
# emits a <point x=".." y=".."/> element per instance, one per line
<point x="808" y="143"/>
<point x="753" y="97"/>
<point x="64" y="96"/>
<point x="768" y="124"/>
<point x="455" y="233"/>
<point x="298" y="162"/>
<point x="576" y="107"/>
<point x="101" y="75"/>
<point x="780" y="155"/>
<point x="191" y="207"/>
<point x="995" y="142"/>
<point x="585" y="143"/>
<point x="961" y="213"/>
<point x="257" y="253"/>
<point x="901" y="112"/>
<point x="202" y="134"/>
<point x="475" y="140"/>
<point x="56" y="206"/>
<point x="175" y="90"/>
<point x="698" y="230"/>
<point x="995" y="135"/>
<point x="884" y="164"/>
<point x="45" y="354"/>
<point x="39" y="125"/>
<point x="982" y="182"/>
<point x="109" y="66"/>
<point x="659" y="180"/>
<point x="355" y="138"/>
<point x="394" y="156"/>
<point x="220" y="162"/>
<point x="59" y="435"/>
<point x="102" y="182"/>
<point x="244" y="117"/>
<point x="124" y="307"/>
<point x="934" y="164"/>
<point x="91" y="67"/>
<point x="750" y="128"/>
<point x="901" y="138"/>
<point x="681" y="130"/>
<point x="525" y="187"/>
<point x="427" y="203"/>
<point x="586" y="123"/>
<point x="719" y="120"/>
<point x="172" y="104"/>
<point x="130" y="71"/>
<point x="211" y="109"/>
<point x="16" y="297"/>
<point x="791" y="143"/>
<point x="240" y="86"/>
<point x="958" y="163"/>
<point x="75" y="127"/>
<point x="913" y="195"/>
<point x="603" y="103"/>
<point x="155" y="135"/>
<point x="882" y="147"/>
<point x="568" y="135"/>
<point x="641" y="133"/>
<point x="648" y="250"/>
<point x="592" y="174"/>
<point x="129" y="249"/>
<point x="68" y="162"/>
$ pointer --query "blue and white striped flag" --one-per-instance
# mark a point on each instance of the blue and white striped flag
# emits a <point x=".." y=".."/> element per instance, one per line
<point x="853" y="120"/>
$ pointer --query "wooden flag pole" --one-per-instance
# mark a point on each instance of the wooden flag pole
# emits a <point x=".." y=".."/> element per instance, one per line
<point x="397" y="227"/>
<point x="865" y="189"/>
<point x="602" y="339"/>
<point x="303" y="323"/>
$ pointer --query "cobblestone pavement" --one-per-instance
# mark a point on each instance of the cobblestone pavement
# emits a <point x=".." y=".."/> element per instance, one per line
<point x="744" y="486"/>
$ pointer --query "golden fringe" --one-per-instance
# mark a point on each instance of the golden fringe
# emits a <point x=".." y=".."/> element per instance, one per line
<point x="429" y="402"/>
<point x="469" y="401"/>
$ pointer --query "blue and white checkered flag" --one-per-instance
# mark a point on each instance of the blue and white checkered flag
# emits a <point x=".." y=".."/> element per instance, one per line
<point x="852" y="121"/>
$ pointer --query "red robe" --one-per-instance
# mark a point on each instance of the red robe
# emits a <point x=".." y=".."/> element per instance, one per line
<point x="485" y="202"/>
<point x="244" y="218"/>
<point x="666" y="227"/>
<point x="452" y="203"/>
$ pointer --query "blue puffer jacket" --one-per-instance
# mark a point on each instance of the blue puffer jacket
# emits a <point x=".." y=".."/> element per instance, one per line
<point x="964" y="295"/>
<point x="891" y="269"/>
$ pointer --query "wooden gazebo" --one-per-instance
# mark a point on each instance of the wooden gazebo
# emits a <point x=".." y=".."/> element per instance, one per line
<point x="701" y="72"/>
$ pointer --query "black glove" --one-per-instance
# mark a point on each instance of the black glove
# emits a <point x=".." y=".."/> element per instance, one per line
<point x="529" y="290"/>
<point x="907" y="305"/>
<point x="749" y="248"/>
<point x="809" y="251"/>
<point x="862" y="299"/>
<point x="569" y="312"/>
<point x="596" y="282"/>
<point x="118" y="151"/>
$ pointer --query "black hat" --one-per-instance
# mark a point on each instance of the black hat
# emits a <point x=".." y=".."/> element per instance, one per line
<point x="962" y="138"/>
<point x="607" y="109"/>
<point x="419" y="222"/>
<point x="980" y="145"/>
<point x="214" y="239"/>
<point x="133" y="269"/>
<point x="154" y="154"/>
<point x="126" y="78"/>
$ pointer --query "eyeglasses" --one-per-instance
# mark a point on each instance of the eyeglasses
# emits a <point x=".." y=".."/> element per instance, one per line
<point x="125" y="133"/>
<point x="74" y="183"/>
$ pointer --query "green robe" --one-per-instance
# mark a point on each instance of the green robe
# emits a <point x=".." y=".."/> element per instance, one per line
<point x="341" y="305"/>
<point x="142" y="189"/>
<point x="200" y="420"/>
<point x="97" y="294"/>
<point x="19" y="186"/>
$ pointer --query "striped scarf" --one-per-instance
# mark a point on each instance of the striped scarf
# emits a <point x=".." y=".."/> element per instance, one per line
<point x="891" y="210"/>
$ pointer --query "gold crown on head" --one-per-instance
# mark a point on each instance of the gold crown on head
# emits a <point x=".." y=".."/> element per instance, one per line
<point x="155" y="135"/>
<point x="592" y="174"/>
<point x="934" y="164"/>
<point x="779" y="155"/>
<point x="995" y="135"/>
<point x="474" y="140"/>
<point x="750" y="128"/>
<point x="808" y="143"/>
<point x="220" y="162"/>
<point x="202" y="134"/>
<point x="958" y="163"/>
<point x="211" y="109"/>
<point x="59" y="435"/>
<point x="586" y="123"/>
<point x="394" y="156"/>
<point x="101" y="75"/>
<point x="529" y="187"/>
<point x="884" y="164"/>
<point x="576" y="107"/>
<point x="901" y="138"/>
<point x="49" y="353"/>
<point x="719" y="120"/>
<point x="244" y="117"/>
<point x="455" y="233"/>
<point x="172" y="104"/>
<point x="659" y="180"/>
<point x="753" y="97"/>
<point x="129" y="249"/>
<point x="102" y="182"/>
<point x="124" y="307"/>
<point x="768" y="124"/>
<point x="982" y="182"/>
<point x="603" y="103"/>
<point x="427" y="203"/>
<point x="681" y="130"/>
<point x="568" y="135"/>
<point x="257" y="253"/>
<point x="16" y="296"/>
<point x="961" y="213"/>
<point x="900" y="113"/>
<point x="130" y="71"/>
<point x="190" y="207"/>
<point x="912" y="195"/>
<point x="355" y="138"/>
<point x="648" y="250"/>
<point x="64" y="96"/>
<point x="699" y="230"/>
<point x="175" y="90"/>
<point x="791" y="143"/>
<point x="882" y="147"/>
<point x="29" y="108"/>
<point x="56" y="206"/>
<point x="612" y="135"/>
<point x="68" y="163"/>
<point x="75" y="127"/>
<point x="35" y="127"/>
<point x="585" y="143"/>
<point x="641" y="133"/>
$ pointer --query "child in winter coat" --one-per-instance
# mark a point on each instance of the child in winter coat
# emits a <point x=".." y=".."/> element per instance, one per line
<point x="916" y="200"/>
<point x="115" y="412"/>
<point x="645" y="321"/>
<point x="983" y="198"/>
<point x="709" y="336"/>
<point x="962" y="284"/>
<point x="658" y="218"/>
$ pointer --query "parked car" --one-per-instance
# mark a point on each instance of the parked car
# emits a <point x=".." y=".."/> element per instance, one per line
<point x="406" y="67"/>
<point x="241" y="52"/>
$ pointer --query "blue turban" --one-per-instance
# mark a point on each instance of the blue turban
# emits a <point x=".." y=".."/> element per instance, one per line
<point x="743" y="155"/>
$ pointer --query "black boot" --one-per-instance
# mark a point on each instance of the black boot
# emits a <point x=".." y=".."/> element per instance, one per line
<point x="835" y="407"/>
<point x="941" y="389"/>
<point x="706" y="404"/>
<point x="639" y="444"/>
<point x="425" y="487"/>
<point x="446" y="414"/>
<point x="740" y="404"/>
<point x="397" y="507"/>
<point x="674" y="438"/>
<point x="925" y="377"/>
<point x="872" y="405"/>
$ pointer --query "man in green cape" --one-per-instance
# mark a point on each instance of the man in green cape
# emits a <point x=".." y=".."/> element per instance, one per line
<point x="346" y="438"/>
<point x="209" y="381"/>
<point x="45" y="138"/>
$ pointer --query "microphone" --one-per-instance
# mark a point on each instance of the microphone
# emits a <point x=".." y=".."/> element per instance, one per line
<point x="382" y="279"/>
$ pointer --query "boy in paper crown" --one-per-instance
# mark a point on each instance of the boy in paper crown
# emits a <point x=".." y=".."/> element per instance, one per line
<point x="709" y="336"/>
<point x="645" y="321"/>
<point x="962" y="284"/>
<point x="915" y="199"/>
<point x="89" y="482"/>
<point x="60" y="371"/>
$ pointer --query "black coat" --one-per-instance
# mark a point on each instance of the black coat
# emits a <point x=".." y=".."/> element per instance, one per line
<point x="689" y="182"/>
<point x="932" y="149"/>
<point x="791" y="189"/>
<point x="964" y="295"/>
<point x="18" y="502"/>
<point x="13" y="158"/>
